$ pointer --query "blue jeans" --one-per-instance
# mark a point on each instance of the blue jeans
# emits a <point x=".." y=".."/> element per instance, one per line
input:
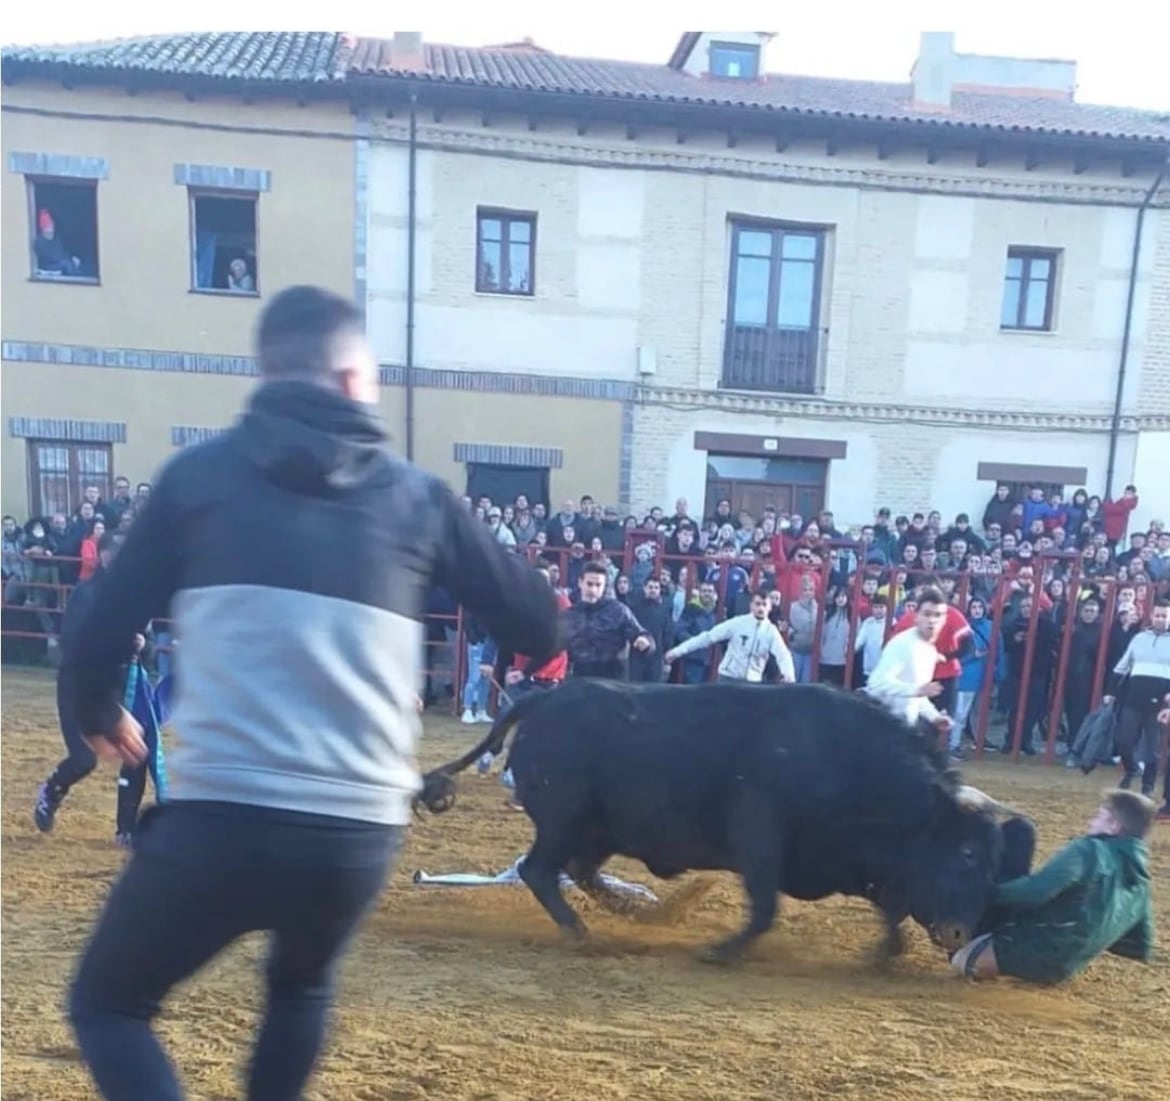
<point x="802" y="664"/>
<point x="202" y="875"/>
<point x="477" y="686"/>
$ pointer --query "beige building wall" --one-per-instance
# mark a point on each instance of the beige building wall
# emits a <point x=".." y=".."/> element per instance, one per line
<point x="145" y="301"/>
<point x="587" y="432"/>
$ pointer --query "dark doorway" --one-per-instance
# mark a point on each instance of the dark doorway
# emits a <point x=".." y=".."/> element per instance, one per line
<point x="752" y="484"/>
<point x="503" y="484"/>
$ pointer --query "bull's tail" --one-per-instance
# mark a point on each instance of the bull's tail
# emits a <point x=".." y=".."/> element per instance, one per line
<point x="438" y="791"/>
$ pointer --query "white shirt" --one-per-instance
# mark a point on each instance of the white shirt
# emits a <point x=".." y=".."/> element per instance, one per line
<point x="906" y="665"/>
<point x="749" y="643"/>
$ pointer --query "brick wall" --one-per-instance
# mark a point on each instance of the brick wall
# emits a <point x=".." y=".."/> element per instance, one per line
<point x="1154" y="385"/>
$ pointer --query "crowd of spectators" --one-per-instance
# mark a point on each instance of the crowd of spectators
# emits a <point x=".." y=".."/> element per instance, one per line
<point x="835" y="594"/>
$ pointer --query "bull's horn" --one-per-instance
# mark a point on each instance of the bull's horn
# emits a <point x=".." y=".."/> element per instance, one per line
<point x="971" y="798"/>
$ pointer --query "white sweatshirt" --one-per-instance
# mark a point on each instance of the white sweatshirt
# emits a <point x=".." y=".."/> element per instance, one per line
<point x="749" y="642"/>
<point x="907" y="663"/>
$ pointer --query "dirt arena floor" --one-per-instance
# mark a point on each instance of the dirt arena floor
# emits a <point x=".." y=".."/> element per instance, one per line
<point x="469" y="995"/>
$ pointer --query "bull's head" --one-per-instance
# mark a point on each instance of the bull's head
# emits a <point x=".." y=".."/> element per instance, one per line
<point x="959" y="862"/>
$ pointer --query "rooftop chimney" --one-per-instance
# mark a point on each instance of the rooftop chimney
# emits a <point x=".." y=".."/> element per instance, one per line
<point x="406" y="51"/>
<point x="939" y="71"/>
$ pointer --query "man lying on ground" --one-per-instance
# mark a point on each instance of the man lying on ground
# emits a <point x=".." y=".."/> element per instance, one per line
<point x="1092" y="897"/>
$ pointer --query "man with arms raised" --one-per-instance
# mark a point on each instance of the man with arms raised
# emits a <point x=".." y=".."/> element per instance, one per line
<point x="294" y="553"/>
<point x="751" y="639"/>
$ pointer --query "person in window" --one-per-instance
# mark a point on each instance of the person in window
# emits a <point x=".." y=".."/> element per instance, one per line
<point x="239" y="279"/>
<point x="51" y="255"/>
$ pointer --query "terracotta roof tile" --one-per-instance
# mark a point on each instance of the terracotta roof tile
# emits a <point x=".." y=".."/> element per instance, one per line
<point x="857" y="99"/>
<point x="326" y="57"/>
<point x="276" y="57"/>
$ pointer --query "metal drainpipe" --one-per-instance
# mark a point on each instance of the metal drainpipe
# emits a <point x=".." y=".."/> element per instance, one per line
<point x="410" y="245"/>
<point x="1115" y="428"/>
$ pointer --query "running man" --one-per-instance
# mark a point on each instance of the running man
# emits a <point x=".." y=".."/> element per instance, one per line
<point x="80" y="760"/>
<point x="294" y="554"/>
<point x="903" y="679"/>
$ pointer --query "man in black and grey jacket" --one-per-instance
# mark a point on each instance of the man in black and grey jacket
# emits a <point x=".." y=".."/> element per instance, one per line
<point x="294" y="554"/>
<point x="598" y="627"/>
<point x="1145" y="667"/>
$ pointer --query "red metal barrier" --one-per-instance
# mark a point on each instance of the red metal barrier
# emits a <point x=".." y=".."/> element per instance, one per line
<point x="785" y="576"/>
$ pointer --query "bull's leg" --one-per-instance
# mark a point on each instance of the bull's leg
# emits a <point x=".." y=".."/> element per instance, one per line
<point x="587" y="875"/>
<point x="758" y="848"/>
<point x="541" y="871"/>
<point x="893" y="943"/>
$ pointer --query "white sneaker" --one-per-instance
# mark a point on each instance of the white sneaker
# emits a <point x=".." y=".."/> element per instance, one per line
<point x="468" y="716"/>
<point x="484" y="764"/>
<point x="483" y="717"/>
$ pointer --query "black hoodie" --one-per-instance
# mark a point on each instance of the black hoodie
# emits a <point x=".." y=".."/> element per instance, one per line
<point x="294" y="554"/>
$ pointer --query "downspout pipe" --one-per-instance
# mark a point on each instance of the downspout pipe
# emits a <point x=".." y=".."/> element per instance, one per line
<point x="411" y="208"/>
<point x="1122" y="367"/>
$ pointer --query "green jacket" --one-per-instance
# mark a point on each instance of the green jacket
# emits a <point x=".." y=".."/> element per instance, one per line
<point x="1092" y="897"/>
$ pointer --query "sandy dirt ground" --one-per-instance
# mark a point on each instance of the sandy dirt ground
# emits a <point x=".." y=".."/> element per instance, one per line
<point x="469" y="994"/>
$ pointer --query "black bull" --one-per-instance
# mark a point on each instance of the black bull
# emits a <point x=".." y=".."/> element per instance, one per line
<point x="802" y="790"/>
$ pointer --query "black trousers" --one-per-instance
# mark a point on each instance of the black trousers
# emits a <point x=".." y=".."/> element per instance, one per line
<point x="948" y="698"/>
<point x="202" y="875"/>
<point x="1140" y="736"/>
<point x="80" y="761"/>
<point x="645" y="668"/>
<point x="603" y="670"/>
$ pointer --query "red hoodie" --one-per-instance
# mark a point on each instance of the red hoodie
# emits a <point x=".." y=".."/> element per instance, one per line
<point x="1115" y="517"/>
<point x="555" y="668"/>
<point x="948" y="643"/>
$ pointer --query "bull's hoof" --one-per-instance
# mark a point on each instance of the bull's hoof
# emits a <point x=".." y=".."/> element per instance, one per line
<point x="576" y="936"/>
<point x="723" y="954"/>
<point x="891" y="947"/>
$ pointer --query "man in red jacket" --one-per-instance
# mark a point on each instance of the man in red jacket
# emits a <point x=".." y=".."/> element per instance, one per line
<point x="953" y="639"/>
<point x="1115" y="515"/>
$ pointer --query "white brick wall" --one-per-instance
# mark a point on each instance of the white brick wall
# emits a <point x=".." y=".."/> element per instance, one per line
<point x="630" y="257"/>
<point x="907" y="467"/>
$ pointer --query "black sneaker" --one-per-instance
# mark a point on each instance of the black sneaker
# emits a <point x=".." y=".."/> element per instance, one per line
<point x="45" y="811"/>
<point x="1163" y="814"/>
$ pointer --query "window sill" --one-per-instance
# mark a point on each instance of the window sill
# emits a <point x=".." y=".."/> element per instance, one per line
<point x="66" y="280"/>
<point x="523" y="295"/>
<point x="1027" y="332"/>
<point x="216" y="292"/>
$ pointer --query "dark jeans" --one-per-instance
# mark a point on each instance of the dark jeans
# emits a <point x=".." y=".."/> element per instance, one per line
<point x="81" y="760"/>
<point x="646" y="668"/>
<point x="603" y="670"/>
<point x="948" y="699"/>
<point x="1136" y="726"/>
<point x="202" y="875"/>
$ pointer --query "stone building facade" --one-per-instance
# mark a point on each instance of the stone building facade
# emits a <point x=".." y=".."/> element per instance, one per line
<point x="696" y="279"/>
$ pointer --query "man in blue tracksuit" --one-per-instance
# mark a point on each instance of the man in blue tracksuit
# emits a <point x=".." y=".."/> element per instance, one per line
<point x="297" y="536"/>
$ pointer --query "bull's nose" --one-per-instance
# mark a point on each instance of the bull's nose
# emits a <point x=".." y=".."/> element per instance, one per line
<point x="951" y="935"/>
